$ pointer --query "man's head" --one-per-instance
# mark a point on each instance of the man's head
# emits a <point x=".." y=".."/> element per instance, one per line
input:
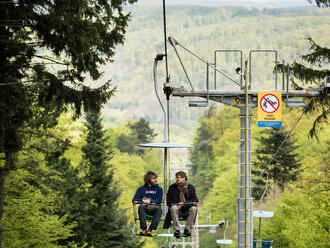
<point x="181" y="177"/>
<point x="150" y="178"/>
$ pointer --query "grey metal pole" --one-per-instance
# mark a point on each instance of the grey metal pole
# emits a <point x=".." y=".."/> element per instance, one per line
<point x="166" y="154"/>
<point x="165" y="180"/>
<point x="245" y="220"/>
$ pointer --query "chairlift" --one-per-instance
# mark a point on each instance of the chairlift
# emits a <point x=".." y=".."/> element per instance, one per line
<point x="262" y="243"/>
<point x="166" y="145"/>
<point x="225" y="241"/>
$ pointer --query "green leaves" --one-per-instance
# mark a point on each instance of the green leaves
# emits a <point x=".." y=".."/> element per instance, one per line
<point x="30" y="217"/>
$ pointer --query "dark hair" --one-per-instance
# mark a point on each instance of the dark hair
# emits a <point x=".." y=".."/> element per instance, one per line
<point x="181" y="174"/>
<point x="147" y="177"/>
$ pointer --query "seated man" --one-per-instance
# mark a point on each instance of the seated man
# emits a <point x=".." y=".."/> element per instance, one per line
<point x="150" y="196"/>
<point x="181" y="200"/>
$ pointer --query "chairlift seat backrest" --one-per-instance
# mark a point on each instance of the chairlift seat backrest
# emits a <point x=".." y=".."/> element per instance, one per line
<point x="294" y="103"/>
<point x="198" y="103"/>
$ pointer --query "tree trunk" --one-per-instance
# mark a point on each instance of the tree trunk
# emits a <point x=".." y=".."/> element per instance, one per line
<point x="2" y="169"/>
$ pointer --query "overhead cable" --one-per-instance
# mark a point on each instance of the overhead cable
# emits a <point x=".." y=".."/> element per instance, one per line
<point x="287" y="136"/>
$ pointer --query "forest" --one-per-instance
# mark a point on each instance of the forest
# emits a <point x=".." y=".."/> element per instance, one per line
<point x="69" y="160"/>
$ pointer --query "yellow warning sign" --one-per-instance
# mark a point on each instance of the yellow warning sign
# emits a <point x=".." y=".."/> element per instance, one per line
<point x="269" y="109"/>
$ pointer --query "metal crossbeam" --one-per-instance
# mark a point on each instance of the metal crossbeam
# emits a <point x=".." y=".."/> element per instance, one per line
<point x="246" y="100"/>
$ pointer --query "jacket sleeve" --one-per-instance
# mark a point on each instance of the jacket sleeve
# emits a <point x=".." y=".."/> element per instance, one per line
<point x="194" y="197"/>
<point x="138" y="195"/>
<point x="159" y="196"/>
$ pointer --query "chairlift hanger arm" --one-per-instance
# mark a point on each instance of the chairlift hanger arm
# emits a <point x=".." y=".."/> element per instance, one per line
<point x="180" y="60"/>
<point x="174" y="43"/>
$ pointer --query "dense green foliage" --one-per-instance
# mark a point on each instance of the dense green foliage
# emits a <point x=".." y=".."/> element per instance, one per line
<point x="67" y="193"/>
<point x="301" y="208"/>
<point x="47" y="49"/>
<point x="33" y="209"/>
<point x="141" y="133"/>
<point x="30" y="218"/>
<point x="281" y="169"/>
<point x="62" y="187"/>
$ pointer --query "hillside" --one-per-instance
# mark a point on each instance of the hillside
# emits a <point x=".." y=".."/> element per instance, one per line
<point x="202" y="29"/>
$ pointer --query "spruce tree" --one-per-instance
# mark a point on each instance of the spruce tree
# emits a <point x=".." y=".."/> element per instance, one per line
<point x="321" y="3"/>
<point x="285" y="165"/>
<point x="141" y="133"/>
<point x="100" y="223"/>
<point x="312" y="71"/>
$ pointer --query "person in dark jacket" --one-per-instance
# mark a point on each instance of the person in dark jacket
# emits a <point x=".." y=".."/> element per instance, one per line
<point x="181" y="200"/>
<point x="149" y="196"/>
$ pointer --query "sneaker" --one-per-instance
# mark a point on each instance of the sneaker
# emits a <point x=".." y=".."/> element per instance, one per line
<point x="186" y="233"/>
<point x="143" y="232"/>
<point x="148" y="233"/>
<point x="177" y="234"/>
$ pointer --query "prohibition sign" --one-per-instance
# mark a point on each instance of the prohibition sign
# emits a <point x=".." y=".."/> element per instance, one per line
<point x="269" y="103"/>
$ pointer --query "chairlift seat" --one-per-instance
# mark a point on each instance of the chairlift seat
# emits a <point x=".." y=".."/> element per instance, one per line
<point x="165" y="145"/>
<point x="263" y="214"/>
<point x="149" y="217"/>
<point x="224" y="241"/>
<point x="265" y="243"/>
<point x="166" y="235"/>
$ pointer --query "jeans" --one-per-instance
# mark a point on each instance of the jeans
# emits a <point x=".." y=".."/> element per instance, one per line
<point x="175" y="217"/>
<point x="156" y="212"/>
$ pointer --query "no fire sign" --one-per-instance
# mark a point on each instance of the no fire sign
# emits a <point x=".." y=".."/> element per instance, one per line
<point x="269" y="109"/>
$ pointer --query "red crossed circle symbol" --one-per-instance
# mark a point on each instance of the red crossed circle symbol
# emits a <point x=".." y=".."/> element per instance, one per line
<point x="269" y="103"/>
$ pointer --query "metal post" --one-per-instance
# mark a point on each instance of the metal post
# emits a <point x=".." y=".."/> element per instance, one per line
<point x="166" y="152"/>
<point x="165" y="180"/>
<point x="245" y="221"/>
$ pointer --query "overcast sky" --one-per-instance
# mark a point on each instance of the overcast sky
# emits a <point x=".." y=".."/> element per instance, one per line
<point x="246" y="3"/>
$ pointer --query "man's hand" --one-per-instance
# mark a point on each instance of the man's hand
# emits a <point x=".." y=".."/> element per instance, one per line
<point x="180" y="204"/>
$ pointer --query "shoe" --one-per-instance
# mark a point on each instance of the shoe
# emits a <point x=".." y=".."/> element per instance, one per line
<point x="143" y="232"/>
<point x="148" y="233"/>
<point x="186" y="233"/>
<point x="177" y="234"/>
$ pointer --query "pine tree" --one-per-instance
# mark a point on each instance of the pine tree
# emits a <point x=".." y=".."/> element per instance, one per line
<point x="283" y="168"/>
<point x="142" y="130"/>
<point x="141" y="133"/>
<point x="321" y="3"/>
<point x="100" y="223"/>
<point x="312" y="72"/>
<point x="46" y="48"/>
